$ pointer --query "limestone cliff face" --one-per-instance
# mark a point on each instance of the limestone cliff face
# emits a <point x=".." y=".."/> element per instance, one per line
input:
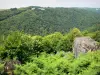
<point x="83" y="45"/>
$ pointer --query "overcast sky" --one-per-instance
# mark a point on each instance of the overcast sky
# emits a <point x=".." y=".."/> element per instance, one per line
<point x="49" y="3"/>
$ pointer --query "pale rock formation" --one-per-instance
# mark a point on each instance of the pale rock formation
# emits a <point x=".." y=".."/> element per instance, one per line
<point x="83" y="45"/>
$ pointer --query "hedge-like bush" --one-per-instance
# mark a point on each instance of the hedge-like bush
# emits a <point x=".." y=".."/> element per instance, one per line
<point x="62" y="64"/>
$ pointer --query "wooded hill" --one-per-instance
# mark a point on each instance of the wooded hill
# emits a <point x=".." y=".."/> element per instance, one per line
<point x="42" y="41"/>
<point x="41" y="21"/>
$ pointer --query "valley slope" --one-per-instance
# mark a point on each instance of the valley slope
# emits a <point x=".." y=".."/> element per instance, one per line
<point x="41" y="21"/>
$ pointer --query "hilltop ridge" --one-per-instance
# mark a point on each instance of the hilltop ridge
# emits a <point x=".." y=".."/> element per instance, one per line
<point x="37" y="20"/>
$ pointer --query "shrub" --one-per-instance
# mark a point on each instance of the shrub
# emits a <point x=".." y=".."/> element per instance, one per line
<point x="62" y="63"/>
<point x="1" y="68"/>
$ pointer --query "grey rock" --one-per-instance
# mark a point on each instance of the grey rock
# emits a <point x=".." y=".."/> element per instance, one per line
<point x="83" y="45"/>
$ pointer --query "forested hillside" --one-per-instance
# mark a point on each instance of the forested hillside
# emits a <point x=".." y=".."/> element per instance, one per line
<point x="41" y="21"/>
<point x="39" y="41"/>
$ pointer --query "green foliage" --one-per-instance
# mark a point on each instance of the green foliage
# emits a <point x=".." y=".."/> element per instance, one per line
<point x="37" y="46"/>
<point x="96" y="36"/>
<point x="43" y="22"/>
<point x="45" y="64"/>
<point x="21" y="46"/>
<point x="66" y="42"/>
<point x="87" y="64"/>
<point x="50" y="42"/>
<point x="12" y="43"/>
<point x="93" y="32"/>
<point x="94" y="28"/>
<point x="49" y="55"/>
<point x="3" y="52"/>
<point x="17" y="45"/>
<point x="5" y="14"/>
<point x="74" y="33"/>
<point x="62" y="64"/>
<point x="1" y="68"/>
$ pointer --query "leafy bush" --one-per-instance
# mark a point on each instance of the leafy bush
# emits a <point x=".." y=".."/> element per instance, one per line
<point x="17" y="45"/>
<point x="66" y="43"/>
<point x="85" y="64"/>
<point x="49" y="55"/>
<point x="1" y="68"/>
<point x="62" y="63"/>
<point x="96" y="36"/>
<point x="50" y="42"/>
<point x="46" y="64"/>
<point x="21" y="46"/>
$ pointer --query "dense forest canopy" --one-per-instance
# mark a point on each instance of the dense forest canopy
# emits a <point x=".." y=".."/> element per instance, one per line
<point x="45" y="20"/>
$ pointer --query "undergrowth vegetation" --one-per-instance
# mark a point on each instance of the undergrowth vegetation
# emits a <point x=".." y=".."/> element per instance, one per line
<point x="49" y="55"/>
<point x="61" y="63"/>
<point x="21" y="46"/>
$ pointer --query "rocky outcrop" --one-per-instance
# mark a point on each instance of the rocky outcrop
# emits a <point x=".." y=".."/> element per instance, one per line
<point x="83" y="45"/>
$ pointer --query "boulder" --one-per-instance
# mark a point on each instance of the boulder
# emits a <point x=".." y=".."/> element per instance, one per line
<point x="83" y="45"/>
